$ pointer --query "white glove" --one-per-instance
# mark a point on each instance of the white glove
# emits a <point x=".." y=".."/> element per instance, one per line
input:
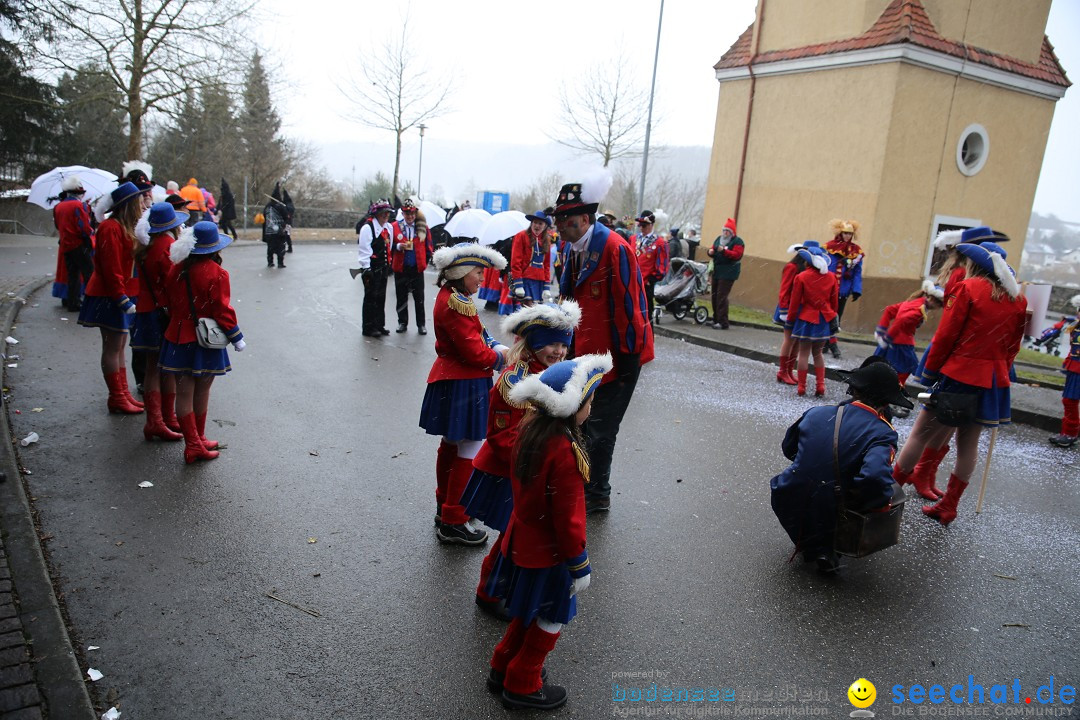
<point x="519" y="292"/>
<point x="239" y="345"/>
<point x="130" y="310"/>
<point x="580" y="584"/>
<point x="783" y="317"/>
<point x="399" y="247"/>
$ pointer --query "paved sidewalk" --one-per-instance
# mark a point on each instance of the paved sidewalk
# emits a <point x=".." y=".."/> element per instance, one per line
<point x="1036" y="406"/>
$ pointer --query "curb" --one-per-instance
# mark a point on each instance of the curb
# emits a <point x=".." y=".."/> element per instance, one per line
<point x="56" y="668"/>
<point x="1025" y="417"/>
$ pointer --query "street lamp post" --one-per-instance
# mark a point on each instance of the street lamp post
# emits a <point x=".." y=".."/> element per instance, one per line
<point x="420" y="170"/>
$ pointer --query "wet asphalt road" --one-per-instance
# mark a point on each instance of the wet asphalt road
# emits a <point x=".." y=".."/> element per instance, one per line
<point x="324" y="498"/>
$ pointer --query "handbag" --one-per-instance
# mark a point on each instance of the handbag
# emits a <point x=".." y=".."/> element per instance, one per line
<point x="955" y="409"/>
<point x="208" y="333"/>
<point x="859" y="534"/>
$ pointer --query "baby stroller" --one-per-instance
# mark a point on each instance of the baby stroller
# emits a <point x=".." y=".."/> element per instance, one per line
<point x="676" y="293"/>
<point x="1051" y="337"/>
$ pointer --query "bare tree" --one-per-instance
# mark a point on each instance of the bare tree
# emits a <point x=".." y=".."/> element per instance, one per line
<point x="396" y="91"/>
<point x="604" y="113"/>
<point x="153" y="51"/>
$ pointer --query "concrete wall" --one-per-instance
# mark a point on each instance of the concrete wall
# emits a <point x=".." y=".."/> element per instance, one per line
<point x="796" y="23"/>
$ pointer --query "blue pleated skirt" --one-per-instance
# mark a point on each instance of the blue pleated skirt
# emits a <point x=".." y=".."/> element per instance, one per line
<point x="920" y="368"/>
<point x="776" y="317"/>
<point x="59" y="290"/>
<point x="534" y="289"/>
<point x="456" y="409"/>
<point x="489" y="498"/>
<point x="533" y="592"/>
<point x="148" y="331"/>
<point x="994" y="406"/>
<point x="103" y="312"/>
<point x="192" y="359"/>
<point x="1072" y="386"/>
<point x="900" y="357"/>
<point x="816" y="332"/>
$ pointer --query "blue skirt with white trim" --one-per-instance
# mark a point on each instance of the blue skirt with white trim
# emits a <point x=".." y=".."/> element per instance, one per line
<point x="103" y="312"/>
<point x="148" y="331"/>
<point x="900" y="357"/>
<point x="456" y="409"/>
<point x="192" y="359"/>
<point x="533" y="592"/>
<point x="994" y="406"/>
<point x="1072" y="386"/>
<point x="489" y="498"/>
<point x="815" y="332"/>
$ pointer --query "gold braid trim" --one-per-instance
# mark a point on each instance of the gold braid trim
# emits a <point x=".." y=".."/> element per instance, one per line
<point x="520" y="371"/>
<point x="462" y="304"/>
<point x="582" y="460"/>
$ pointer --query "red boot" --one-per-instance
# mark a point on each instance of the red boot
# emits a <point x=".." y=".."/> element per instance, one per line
<point x="900" y="477"/>
<point x="787" y="364"/>
<point x="819" y="373"/>
<point x="118" y="397"/>
<point x="453" y="513"/>
<point x="801" y="382"/>
<point x="523" y="686"/>
<point x="130" y="398"/>
<point x="444" y="460"/>
<point x="945" y="510"/>
<point x="193" y="447"/>
<point x="168" y="411"/>
<point x="155" y="426"/>
<point x="200" y="423"/>
<point x="508" y="647"/>
<point x="926" y="470"/>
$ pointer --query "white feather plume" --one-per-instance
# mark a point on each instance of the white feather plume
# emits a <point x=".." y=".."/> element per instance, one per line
<point x="821" y="263"/>
<point x="102" y="207"/>
<point x="1075" y="301"/>
<point x="179" y="250"/>
<point x="565" y="316"/>
<point x="137" y="165"/>
<point x="947" y="239"/>
<point x="1004" y="275"/>
<point x="142" y="228"/>
<point x="794" y="248"/>
<point x="662" y="219"/>
<point x="596" y="184"/>
<point x="532" y="389"/>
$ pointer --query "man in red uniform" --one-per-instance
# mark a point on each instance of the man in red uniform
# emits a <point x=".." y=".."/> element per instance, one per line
<point x="409" y="254"/>
<point x="72" y="220"/>
<point x="601" y="273"/>
<point x="652" y="255"/>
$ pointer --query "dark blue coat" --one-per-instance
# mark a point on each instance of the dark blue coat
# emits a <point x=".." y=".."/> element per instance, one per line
<point x="802" y="495"/>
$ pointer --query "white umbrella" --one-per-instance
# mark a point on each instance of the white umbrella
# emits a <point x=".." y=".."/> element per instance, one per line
<point x="434" y="214"/>
<point x="95" y="182"/>
<point x="467" y="223"/>
<point x="501" y="226"/>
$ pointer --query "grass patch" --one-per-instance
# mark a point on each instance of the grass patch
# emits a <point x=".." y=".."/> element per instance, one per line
<point x="737" y="313"/>
<point x="1035" y="376"/>
<point x="1039" y="358"/>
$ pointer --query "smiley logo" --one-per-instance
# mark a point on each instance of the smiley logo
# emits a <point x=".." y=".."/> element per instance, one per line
<point x="862" y="693"/>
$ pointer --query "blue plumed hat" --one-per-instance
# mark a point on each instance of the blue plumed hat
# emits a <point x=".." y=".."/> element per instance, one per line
<point x="993" y="263"/>
<point x="456" y="261"/>
<point x="563" y="388"/>
<point x="202" y="238"/>
<point x="815" y="258"/>
<point x="951" y="238"/>
<point x="804" y="244"/>
<point x="541" y="325"/>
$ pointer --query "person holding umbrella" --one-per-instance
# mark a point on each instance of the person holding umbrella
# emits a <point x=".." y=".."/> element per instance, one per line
<point x="274" y="233"/>
<point x="74" y="261"/>
<point x="109" y="305"/>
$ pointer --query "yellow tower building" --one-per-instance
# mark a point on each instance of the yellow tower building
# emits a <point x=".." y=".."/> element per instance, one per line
<point x="909" y="116"/>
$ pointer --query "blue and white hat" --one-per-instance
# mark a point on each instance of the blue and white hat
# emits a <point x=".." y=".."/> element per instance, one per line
<point x="804" y="244"/>
<point x="202" y="238"/>
<point x="993" y="263"/>
<point x="951" y="238"/>
<point x="932" y="290"/>
<point x="541" y="325"/>
<point x="563" y="388"/>
<point x="456" y="261"/>
<point x="815" y="257"/>
<point x="161" y="217"/>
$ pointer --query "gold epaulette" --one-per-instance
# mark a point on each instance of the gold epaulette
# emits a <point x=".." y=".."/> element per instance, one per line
<point x="582" y="460"/>
<point x="509" y="379"/>
<point x="462" y="304"/>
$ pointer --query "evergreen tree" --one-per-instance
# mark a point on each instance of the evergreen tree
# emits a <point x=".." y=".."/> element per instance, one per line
<point x="266" y="157"/>
<point x="92" y="120"/>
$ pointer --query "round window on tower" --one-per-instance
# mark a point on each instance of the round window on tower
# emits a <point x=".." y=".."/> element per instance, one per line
<point x="973" y="149"/>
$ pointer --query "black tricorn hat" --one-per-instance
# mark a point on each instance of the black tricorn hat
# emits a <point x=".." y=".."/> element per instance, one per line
<point x="878" y="381"/>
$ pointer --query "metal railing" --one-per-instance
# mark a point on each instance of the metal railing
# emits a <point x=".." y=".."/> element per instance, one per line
<point x="15" y="225"/>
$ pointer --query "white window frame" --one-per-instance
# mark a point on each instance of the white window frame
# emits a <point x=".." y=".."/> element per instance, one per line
<point x="940" y="220"/>
<point x="980" y="131"/>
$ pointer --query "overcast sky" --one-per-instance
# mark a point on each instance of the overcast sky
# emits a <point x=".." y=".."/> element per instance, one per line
<point x="509" y="58"/>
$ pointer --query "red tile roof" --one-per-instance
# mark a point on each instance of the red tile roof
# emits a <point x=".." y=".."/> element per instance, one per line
<point x="903" y="21"/>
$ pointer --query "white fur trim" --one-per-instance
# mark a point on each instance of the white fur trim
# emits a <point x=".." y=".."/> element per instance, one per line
<point x="1004" y="275"/>
<point x="444" y="257"/>
<point x="182" y="247"/>
<point x="821" y="263"/>
<point x="566" y="318"/>
<point x="563" y="404"/>
<point x="1075" y="301"/>
<point x="662" y="219"/>
<point x="102" y="207"/>
<point x="595" y="185"/>
<point x="794" y="248"/>
<point x="137" y="165"/>
<point x="70" y="182"/>
<point x="142" y="228"/>
<point x="947" y="239"/>
<point x="929" y="288"/>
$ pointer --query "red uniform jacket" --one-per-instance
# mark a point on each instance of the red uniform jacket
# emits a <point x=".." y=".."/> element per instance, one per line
<point x="154" y="273"/>
<point x="978" y="338"/>
<point x="528" y="259"/>
<point x="421" y="249"/>
<point x="547" y="526"/>
<point x="1072" y="360"/>
<point x="72" y="221"/>
<point x="113" y="264"/>
<point x="887" y="316"/>
<point x="814" y="297"/>
<point x="787" y="279"/>
<point x="608" y="288"/>
<point x="210" y="291"/>
<point x="910" y="315"/>
<point x="955" y="277"/>
<point x="464" y="348"/>
<point x="502" y="421"/>
<point x="653" y="260"/>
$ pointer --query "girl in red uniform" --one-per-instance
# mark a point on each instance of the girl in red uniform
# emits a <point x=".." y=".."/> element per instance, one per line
<point x="789" y="351"/>
<point x="544" y="563"/>
<point x="155" y="232"/>
<point x="814" y="295"/>
<point x="109" y="305"/>
<point x="530" y="260"/>
<point x="973" y="348"/>
<point x="456" y="401"/>
<point x="544" y="335"/>
<point x="197" y="287"/>
<point x="897" y="326"/>
<point x="1070" y="396"/>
